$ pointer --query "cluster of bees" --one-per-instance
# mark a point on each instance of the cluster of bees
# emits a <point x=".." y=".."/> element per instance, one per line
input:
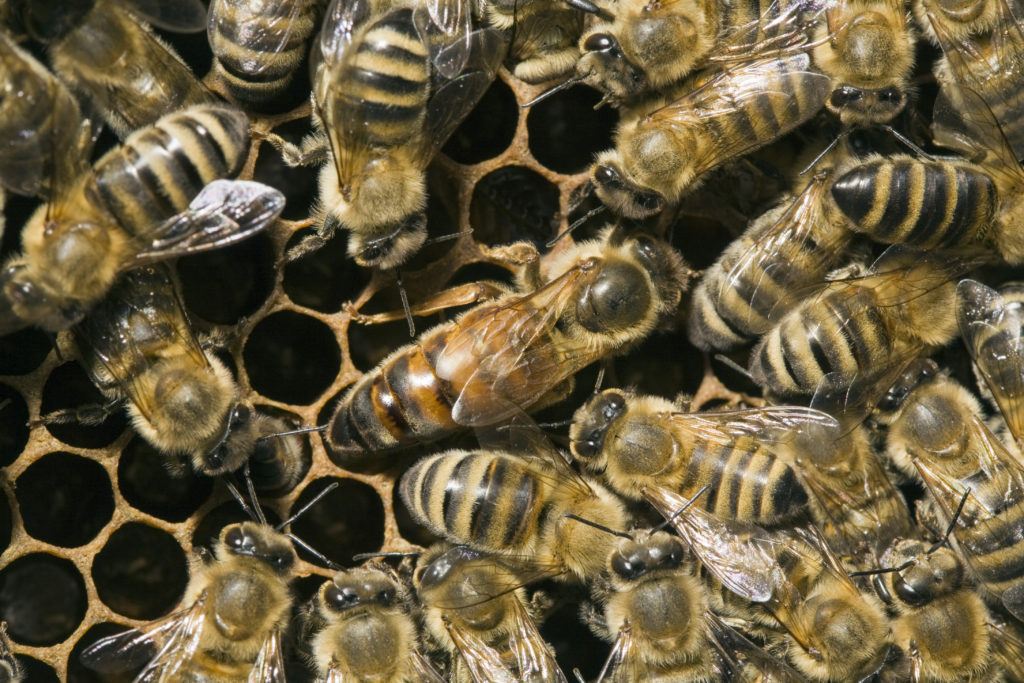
<point x="862" y="519"/>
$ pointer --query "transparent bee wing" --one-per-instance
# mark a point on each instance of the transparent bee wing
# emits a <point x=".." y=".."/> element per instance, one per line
<point x="274" y="31"/>
<point x="621" y="665"/>
<point x="425" y="671"/>
<point x="505" y="577"/>
<point x="269" y="664"/>
<point x="341" y="22"/>
<point x="445" y="27"/>
<point x="745" y="660"/>
<point x="482" y="661"/>
<point x="534" y="658"/>
<point x="992" y="332"/>
<point x="225" y="212"/>
<point x="780" y="28"/>
<point x="167" y="645"/>
<point x="1008" y="651"/>
<point x="181" y="16"/>
<point x="774" y="424"/>
<point x="739" y="554"/>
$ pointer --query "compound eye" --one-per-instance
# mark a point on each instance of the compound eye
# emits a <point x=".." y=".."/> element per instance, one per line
<point x="605" y="174"/>
<point x="628" y="567"/>
<point x="614" y="405"/>
<point x="340" y="599"/>
<point x="648" y="201"/>
<point x="240" y="415"/>
<point x="237" y="540"/>
<point x="890" y="96"/>
<point x="913" y="590"/>
<point x="599" y="42"/>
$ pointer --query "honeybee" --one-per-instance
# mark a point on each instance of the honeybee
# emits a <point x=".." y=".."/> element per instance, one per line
<point x="939" y="436"/>
<point x="991" y="324"/>
<point x="544" y="44"/>
<point x="390" y="86"/>
<point x="635" y="441"/>
<point x="758" y="276"/>
<point x="474" y="607"/>
<point x="132" y="208"/>
<point x="104" y="51"/>
<point x="660" y="155"/>
<point x="367" y="632"/>
<point x="663" y="631"/>
<point x="860" y="327"/>
<point x="836" y="632"/>
<point x="10" y="668"/>
<point x="41" y="126"/>
<point x="258" y="47"/>
<point x="239" y="605"/>
<point x="277" y="462"/>
<point x="595" y="299"/>
<point x="868" y="50"/>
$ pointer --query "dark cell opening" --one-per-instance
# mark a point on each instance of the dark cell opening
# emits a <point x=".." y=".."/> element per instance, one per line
<point x="511" y="204"/>
<point x="489" y="128"/>
<point x="368" y="345"/>
<point x="480" y="271"/>
<point x="193" y="48"/>
<point x="14" y="428"/>
<point x="291" y="357"/>
<point x="225" y="285"/>
<point x="79" y="672"/>
<point x="209" y="528"/>
<point x="298" y="183"/>
<point x="42" y="599"/>
<point x="347" y="521"/>
<point x="64" y="499"/>
<point x="148" y="485"/>
<point x="279" y="463"/>
<point x="565" y="130"/>
<point x="326" y="278"/>
<point x="575" y="646"/>
<point x="69" y="387"/>
<point x="141" y="572"/>
<point x="407" y="526"/>
<point x="23" y="351"/>
<point x="664" y="365"/>
<point x="35" y="671"/>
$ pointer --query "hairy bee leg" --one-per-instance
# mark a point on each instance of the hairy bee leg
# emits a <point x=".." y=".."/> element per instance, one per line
<point x="313" y="151"/>
<point x="308" y="245"/>
<point x="90" y="415"/>
<point x="460" y="295"/>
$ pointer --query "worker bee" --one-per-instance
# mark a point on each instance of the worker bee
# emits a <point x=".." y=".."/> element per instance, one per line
<point x="366" y="631"/>
<point x="544" y="44"/>
<point x="835" y="631"/>
<point x="132" y="208"/>
<point x="518" y="352"/>
<point x="868" y="50"/>
<point x="390" y="87"/>
<point x="104" y="51"/>
<point x="258" y="47"/>
<point x="277" y="461"/>
<point x="939" y="436"/>
<point x="41" y="126"/>
<point x="636" y="441"/>
<point x="10" y="668"/>
<point x="659" y="156"/>
<point x="861" y="327"/>
<point x="474" y="608"/>
<point x="656" y="611"/>
<point x="991" y="324"/>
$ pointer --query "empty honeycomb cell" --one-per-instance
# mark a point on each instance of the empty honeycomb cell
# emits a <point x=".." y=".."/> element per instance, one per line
<point x="209" y="527"/>
<point x="42" y="599"/>
<point x="69" y="388"/>
<point x="565" y="131"/>
<point x="80" y="673"/>
<point x="64" y="499"/>
<point x="291" y="357"/>
<point x="141" y="572"/>
<point x="148" y="485"/>
<point x="489" y="128"/>
<point x="514" y="203"/>
<point x="664" y="364"/>
<point x="13" y="424"/>
<point x="23" y="351"/>
<point x="325" y="279"/>
<point x="35" y="671"/>
<point x="347" y="521"/>
<point x="225" y="285"/>
<point x="575" y="646"/>
<point x="368" y="345"/>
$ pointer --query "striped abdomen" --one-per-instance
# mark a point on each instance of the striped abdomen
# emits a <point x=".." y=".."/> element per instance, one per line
<point x="491" y="501"/>
<point x="387" y="84"/>
<point x="744" y="482"/>
<point x="161" y="168"/>
<point x="846" y="334"/>
<point x="907" y="201"/>
<point x="259" y="46"/>
<point x="996" y="551"/>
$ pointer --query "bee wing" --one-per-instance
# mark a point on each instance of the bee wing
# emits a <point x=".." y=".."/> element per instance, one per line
<point x="274" y="29"/>
<point x="534" y="658"/>
<point x="483" y="661"/>
<point x="768" y="256"/>
<point x="506" y="356"/>
<point x="778" y="28"/>
<point x="774" y="424"/>
<point x="181" y="16"/>
<point x="426" y="671"/>
<point x="622" y="665"/>
<point x="225" y="212"/>
<point x="743" y="658"/>
<point x="269" y="664"/>
<point x="740" y="555"/>
<point x="445" y="27"/>
<point x="174" y="639"/>
<point x="141" y="307"/>
<point x="757" y="83"/>
<point x="992" y="332"/>
<point x="1007" y="650"/>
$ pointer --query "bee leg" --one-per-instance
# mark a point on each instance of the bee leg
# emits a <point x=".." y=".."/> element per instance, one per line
<point x="593" y="618"/>
<point x="460" y="295"/>
<point x="314" y="242"/>
<point x="90" y="415"/>
<point x="313" y="151"/>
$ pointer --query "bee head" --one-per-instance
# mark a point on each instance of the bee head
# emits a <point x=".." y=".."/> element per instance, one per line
<point x="590" y="426"/>
<point x="358" y="588"/>
<point x="391" y="249"/>
<point x="632" y="559"/>
<point x="250" y="539"/>
<point x="235" y="442"/>
<point x="619" y="193"/>
<point x="604" y="65"/>
<point x="27" y="299"/>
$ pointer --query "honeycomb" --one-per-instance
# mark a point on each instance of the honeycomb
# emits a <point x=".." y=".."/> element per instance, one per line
<point x="96" y="533"/>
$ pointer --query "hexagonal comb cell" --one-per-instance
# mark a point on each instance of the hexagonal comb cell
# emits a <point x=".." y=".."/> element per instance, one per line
<point x="42" y="599"/>
<point x="489" y="128"/>
<point x="514" y="203"/>
<point x="291" y="357"/>
<point x="341" y="524"/>
<point x="141" y="572"/>
<point x="566" y="131"/>
<point x="69" y="389"/>
<point x="225" y="285"/>
<point x="64" y="499"/>
<point x="149" y="486"/>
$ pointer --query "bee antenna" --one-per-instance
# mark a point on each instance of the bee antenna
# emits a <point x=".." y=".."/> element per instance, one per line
<point x="302" y="510"/>
<point x="567" y="83"/>
<point x="362" y="557"/>
<point x="600" y="379"/>
<point x="576" y="223"/>
<point x="333" y="566"/>
<point x="733" y="365"/>
<point x="600" y="527"/>
<point x="952" y="523"/>
<point x="885" y="570"/>
<point x="828" y="148"/>
<point x="241" y="500"/>
<point x="252" y="494"/>
<point x="292" y="432"/>
<point x="449" y="236"/>
<point x="590" y="8"/>
<point x="907" y="143"/>
<point x="578" y="675"/>
<point x="405" y="303"/>
<point x="677" y="512"/>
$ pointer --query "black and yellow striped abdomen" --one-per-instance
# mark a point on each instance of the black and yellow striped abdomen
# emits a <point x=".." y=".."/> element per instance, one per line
<point x="488" y="500"/>
<point x="924" y="203"/>
<point x="996" y="551"/>
<point x="259" y="46"/>
<point x="161" y="168"/>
